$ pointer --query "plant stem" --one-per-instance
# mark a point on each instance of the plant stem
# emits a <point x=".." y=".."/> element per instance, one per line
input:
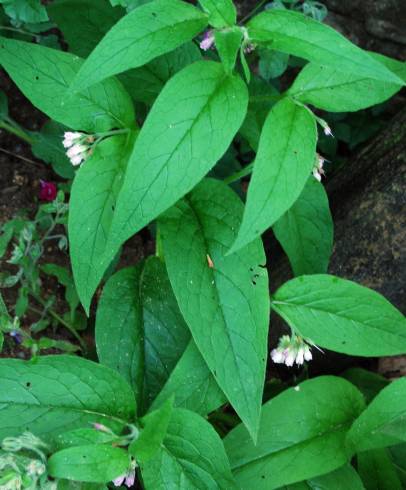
<point x="60" y="320"/>
<point x="14" y="129"/>
<point x="240" y="174"/>
<point x="254" y="11"/>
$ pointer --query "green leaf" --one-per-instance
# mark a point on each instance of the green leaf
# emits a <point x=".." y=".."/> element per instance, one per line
<point x="272" y="64"/>
<point x="285" y="159"/>
<point x="342" y="316"/>
<point x="145" y="83"/>
<point x="228" y="43"/>
<point x="6" y="236"/>
<point x="395" y="66"/>
<point x="189" y="128"/>
<point x="344" y="478"/>
<point x="383" y="423"/>
<point x="91" y="463"/>
<point x="222" y="13"/>
<point x="302" y="435"/>
<point x="332" y="89"/>
<point x="398" y="457"/>
<point x="54" y="394"/>
<point x="71" y="485"/>
<point x="139" y="329"/>
<point x="65" y="278"/>
<point x="155" y="427"/>
<point x="83" y="22"/>
<point x="226" y="306"/>
<point x="262" y="97"/>
<point x="293" y="33"/>
<point x="305" y="231"/>
<point x="369" y="383"/>
<point x="83" y="437"/>
<point x="44" y="76"/>
<point x="93" y="200"/>
<point x="25" y="11"/>
<point x="192" y="457"/>
<point x="192" y="385"/>
<point x="3" y="105"/>
<point x="48" y="146"/>
<point x="145" y="33"/>
<point x="377" y="471"/>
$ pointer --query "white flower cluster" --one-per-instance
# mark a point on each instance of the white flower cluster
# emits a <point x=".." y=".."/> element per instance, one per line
<point x="318" y="170"/>
<point x="290" y="350"/>
<point x="78" y="146"/>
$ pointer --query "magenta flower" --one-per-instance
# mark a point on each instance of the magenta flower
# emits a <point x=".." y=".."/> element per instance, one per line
<point x="47" y="191"/>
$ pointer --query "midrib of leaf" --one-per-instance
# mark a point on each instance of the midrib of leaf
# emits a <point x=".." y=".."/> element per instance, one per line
<point x="339" y="315"/>
<point x="284" y="153"/>
<point x="298" y="41"/>
<point x="336" y="429"/>
<point x="182" y="139"/>
<point x="217" y="297"/>
<point x="182" y="467"/>
<point x="5" y="405"/>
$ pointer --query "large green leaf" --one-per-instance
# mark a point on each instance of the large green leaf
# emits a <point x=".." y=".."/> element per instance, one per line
<point x="189" y="128"/>
<point x="293" y="33"/>
<point x="305" y="231"/>
<point x="377" y="471"/>
<point x="145" y="83"/>
<point x="56" y="393"/>
<point x="224" y="299"/>
<point x="332" y="89"/>
<point x="369" y="383"/>
<point x="83" y="22"/>
<point x="285" y="158"/>
<point x="91" y="207"/>
<point x="222" y="13"/>
<point x="145" y="33"/>
<point x="44" y="76"/>
<point x="192" y="384"/>
<point x="344" y="478"/>
<point x="25" y="11"/>
<point x="91" y="463"/>
<point x="192" y="457"/>
<point x="139" y="328"/>
<point x="342" y="316"/>
<point x="383" y="423"/>
<point x="302" y="435"/>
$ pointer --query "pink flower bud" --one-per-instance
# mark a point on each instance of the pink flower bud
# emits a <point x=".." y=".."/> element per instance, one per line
<point x="48" y="191"/>
<point x="208" y="41"/>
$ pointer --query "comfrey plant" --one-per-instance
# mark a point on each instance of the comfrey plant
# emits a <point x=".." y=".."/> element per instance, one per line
<point x="184" y="334"/>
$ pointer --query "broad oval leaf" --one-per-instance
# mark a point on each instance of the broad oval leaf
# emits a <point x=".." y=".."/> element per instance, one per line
<point x="58" y="393"/>
<point x="191" y="457"/>
<point x="285" y="158"/>
<point x="301" y="435"/>
<point x="305" y="231"/>
<point x="44" y="76"/>
<point x="91" y="207"/>
<point x="92" y="463"/>
<point x="294" y="33"/>
<point x="224" y="299"/>
<point x="189" y="128"/>
<point x="192" y="385"/>
<point x="139" y="329"/>
<point x="332" y="89"/>
<point x="342" y="316"/>
<point x="145" y="33"/>
<point x="383" y="423"/>
<point x="222" y="13"/>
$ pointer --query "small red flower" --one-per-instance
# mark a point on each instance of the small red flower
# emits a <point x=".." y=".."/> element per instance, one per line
<point x="47" y="191"/>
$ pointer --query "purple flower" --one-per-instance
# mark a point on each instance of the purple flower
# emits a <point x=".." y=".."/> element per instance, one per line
<point x="208" y="41"/>
<point x="47" y="191"/>
<point x="16" y="336"/>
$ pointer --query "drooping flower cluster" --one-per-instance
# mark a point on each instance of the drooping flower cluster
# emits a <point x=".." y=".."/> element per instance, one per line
<point x="207" y="41"/>
<point x="128" y="478"/>
<point x="291" y="350"/>
<point x="78" y="146"/>
<point x="318" y="170"/>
